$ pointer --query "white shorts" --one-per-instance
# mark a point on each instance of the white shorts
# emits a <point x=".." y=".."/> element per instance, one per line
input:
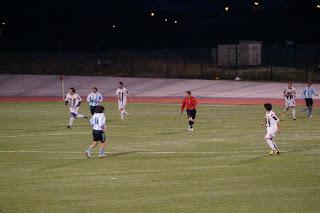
<point x="290" y="103"/>
<point x="122" y="104"/>
<point x="74" y="111"/>
<point x="271" y="133"/>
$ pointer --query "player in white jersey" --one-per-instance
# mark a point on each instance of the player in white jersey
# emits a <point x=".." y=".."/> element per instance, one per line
<point x="74" y="101"/>
<point x="94" y="99"/>
<point x="289" y="99"/>
<point x="272" y="124"/>
<point x="98" y="122"/>
<point x="122" y="95"/>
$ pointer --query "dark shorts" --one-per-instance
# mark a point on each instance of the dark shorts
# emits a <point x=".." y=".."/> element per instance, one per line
<point x="192" y="113"/>
<point x="93" y="109"/>
<point x="98" y="135"/>
<point x="309" y="102"/>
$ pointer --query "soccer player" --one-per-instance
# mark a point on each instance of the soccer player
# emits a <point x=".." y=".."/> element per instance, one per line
<point x="190" y="103"/>
<point x="94" y="99"/>
<point x="272" y="124"/>
<point x="98" y="121"/>
<point x="308" y="94"/>
<point x="289" y="94"/>
<point x="122" y="95"/>
<point x="74" y="101"/>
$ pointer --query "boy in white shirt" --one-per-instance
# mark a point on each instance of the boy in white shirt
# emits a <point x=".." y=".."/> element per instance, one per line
<point x="74" y="101"/>
<point x="273" y="126"/>
<point x="122" y="95"/>
<point x="98" y="121"/>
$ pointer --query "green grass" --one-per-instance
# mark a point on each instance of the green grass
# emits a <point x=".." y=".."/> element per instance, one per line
<point x="154" y="165"/>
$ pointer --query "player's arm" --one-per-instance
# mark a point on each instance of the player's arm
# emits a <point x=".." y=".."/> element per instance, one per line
<point x="89" y="98"/>
<point x="285" y="94"/>
<point x="79" y="100"/>
<point x="103" y="124"/>
<point x="101" y="98"/>
<point x="66" y="100"/>
<point x="183" y="105"/>
<point x="195" y="103"/>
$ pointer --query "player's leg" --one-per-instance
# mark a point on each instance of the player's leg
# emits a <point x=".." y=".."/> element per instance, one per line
<point x="271" y="144"/>
<point x="90" y="148"/>
<point x="293" y="109"/>
<point x="71" y="119"/>
<point x="102" y="145"/>
<point x="310" y="107"/>
<point x="121" y="109"/>
<point x="124" y="104"/>
<point x="92" y="109"/>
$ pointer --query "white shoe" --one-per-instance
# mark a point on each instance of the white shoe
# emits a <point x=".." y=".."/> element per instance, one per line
<point x="88" y="154"/>
<point x="190" y="129"/>
<point x="102" y="156"/>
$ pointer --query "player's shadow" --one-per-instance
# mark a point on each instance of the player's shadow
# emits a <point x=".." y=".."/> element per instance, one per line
<point x="120" y="154"/>
<point x="251" y="160"/>
<point x="170" y="133"/>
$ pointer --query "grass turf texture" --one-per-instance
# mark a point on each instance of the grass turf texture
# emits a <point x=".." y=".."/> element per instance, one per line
<point x="154" y="164"/>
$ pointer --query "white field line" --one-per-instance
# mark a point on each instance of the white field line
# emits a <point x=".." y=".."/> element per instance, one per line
<point x="141" y="131"/>
<point x="133" y="152"/>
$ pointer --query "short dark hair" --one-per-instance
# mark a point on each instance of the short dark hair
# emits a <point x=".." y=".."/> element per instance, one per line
<point x="99" y="109"/>
<point x="72" y="89"/>
<point x="268" y="106"/>
<point x="95" y="88"/>
<point x="121" y="83"/>
<point x="189" y="92"/>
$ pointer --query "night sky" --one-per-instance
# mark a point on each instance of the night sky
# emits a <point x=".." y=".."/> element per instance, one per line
<point x="97" y="25"/>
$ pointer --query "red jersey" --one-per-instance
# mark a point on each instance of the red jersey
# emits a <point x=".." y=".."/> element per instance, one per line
<point x="189" y="103"/>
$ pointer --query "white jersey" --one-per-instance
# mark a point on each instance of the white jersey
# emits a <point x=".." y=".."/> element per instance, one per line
<point x="271" y="120"/>
<point x="98" y="121"/>
<point x="122" y="94"/>
<point x="94" y="99"/>
<point x="73" y="100"/>
<point x="289" y="93"/>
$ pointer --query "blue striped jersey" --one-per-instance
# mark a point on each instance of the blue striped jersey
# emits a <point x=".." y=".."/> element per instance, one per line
<point x="308" y="92"/>
<point x="94" y="99"/>
<point x="98" y="121"/>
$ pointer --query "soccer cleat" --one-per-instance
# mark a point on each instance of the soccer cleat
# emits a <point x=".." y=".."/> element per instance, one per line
<point x="88" y="154"/>
<point x="272" y="152"/>
<point x="102" y="155"/>
<point x="278" y="152"/>
<point x="69" y="127"/>
<point x="190" y="129"/>
<point x="86" y="117"/>
<point x="294" y="119"/>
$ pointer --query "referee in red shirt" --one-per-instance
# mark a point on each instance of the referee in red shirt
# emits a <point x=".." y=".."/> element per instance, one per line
<point x="190" y="103"/>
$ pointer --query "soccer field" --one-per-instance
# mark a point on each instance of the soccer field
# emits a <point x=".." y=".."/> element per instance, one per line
<point x="154" y="164"/>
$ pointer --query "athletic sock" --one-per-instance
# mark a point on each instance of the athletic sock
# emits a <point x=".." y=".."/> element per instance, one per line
<point x="271" y="144"/>
<point x="101" y="151"/>
<point x="274" y="145"/>
<point x="71" y="119"/>
<point x="121" y="114"/>
<point x="125" y="112"/>
<point x="80" y="116"/>
<point x="293" y="113"/>
<point x="89" y="149"/>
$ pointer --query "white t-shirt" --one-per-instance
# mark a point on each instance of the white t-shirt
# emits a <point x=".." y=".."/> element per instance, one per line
<point x="271" y="120"/>
<point x="98" y="121"/>
<point x="122" y="94"/>
<point x="73" y="100"/>
<point x="289" y="93"/>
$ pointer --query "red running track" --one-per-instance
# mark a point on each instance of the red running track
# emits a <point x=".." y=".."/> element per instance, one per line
<point x="224" y="101"/>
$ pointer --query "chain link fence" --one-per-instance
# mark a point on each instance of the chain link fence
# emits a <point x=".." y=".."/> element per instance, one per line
<point x="278" y="63"/>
